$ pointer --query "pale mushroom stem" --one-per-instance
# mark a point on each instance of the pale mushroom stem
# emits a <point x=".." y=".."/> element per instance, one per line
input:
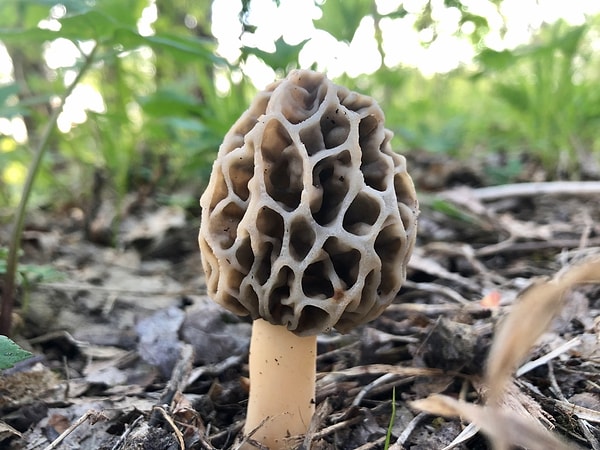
<point x="282" y="384"/>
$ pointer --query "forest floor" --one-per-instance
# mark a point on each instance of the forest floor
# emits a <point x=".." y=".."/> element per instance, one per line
<point x="130" y="353"/>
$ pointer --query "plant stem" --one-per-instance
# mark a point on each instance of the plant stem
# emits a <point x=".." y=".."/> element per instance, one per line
<point x="282" y="385"/>
<point x="8" y="291"/>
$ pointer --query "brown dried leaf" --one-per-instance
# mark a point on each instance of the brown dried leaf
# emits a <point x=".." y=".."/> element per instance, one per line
<point x="8" y="432"/>
<point x="504" y="429"/>
<point x="529" y="318"/>
<point x="591" y="415"/>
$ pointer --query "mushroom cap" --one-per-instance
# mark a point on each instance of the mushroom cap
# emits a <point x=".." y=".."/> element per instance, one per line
<point x="309" y="217"/>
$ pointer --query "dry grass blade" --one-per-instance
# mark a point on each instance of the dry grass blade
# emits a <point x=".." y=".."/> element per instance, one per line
<point x="504" y="429"/>
<point x="529" y="318"/>
<point x="588" y="414"/>
<point x="376" y="369"/>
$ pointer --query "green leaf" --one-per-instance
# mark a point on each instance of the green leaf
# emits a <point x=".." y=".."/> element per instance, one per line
<point x="341" y="17"/>
<point x="36" y="273"/>
<point x="570" y="42"/>
<point x="30" y="35"/>
<point x="180" y="47"/>
<point x="11" y="353"/>
<point x="515" y="95"/>
<point x="283" y="58"/>
<point x="102" y="21"/>
<point x="8" y="91"/>
<point x="497" y="60"/>
<point x="23" y="106"/>
<point x="50" y="3"/>
<point x="92" y="24"/>
<point x="450" y="210"/>
<point x="167" y="102"/>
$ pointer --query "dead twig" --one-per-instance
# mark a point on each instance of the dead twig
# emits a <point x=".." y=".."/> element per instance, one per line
<point x="344" y="424"/>
<point x="399" y="444"/>
<point x="321" y="414"/>
<point x="574" y="188"/>
<point x="93" y="416"/>
<point x="126" y="433"/>
<point x="178" y="435"/>
<point x="510" y="246"/>
<point x="375" y="369"/>
<point x="369" y="445"/>
<point x="436" y="309"/>
<point x="373" y="384"/>
<point x="434" y="288"/>
<point x="583" y="425"/>
<point x="247" y="439"/>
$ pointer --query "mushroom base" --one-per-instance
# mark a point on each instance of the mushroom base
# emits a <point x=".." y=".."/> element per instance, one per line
<point x="282" y="384"/>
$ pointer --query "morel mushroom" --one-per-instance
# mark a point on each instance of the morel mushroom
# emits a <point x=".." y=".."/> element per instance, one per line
<point x="308" y="222"/>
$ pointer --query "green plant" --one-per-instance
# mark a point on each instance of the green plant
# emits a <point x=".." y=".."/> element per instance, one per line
<point x="551" y="98"/>
<point x="11" y="353"/>
<point x="388" y="435"/>
<point x="19" y="220"/>
<point x="109" y="50"/>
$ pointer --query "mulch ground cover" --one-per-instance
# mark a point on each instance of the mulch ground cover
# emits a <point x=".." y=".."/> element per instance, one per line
<point x="130" y="353"/>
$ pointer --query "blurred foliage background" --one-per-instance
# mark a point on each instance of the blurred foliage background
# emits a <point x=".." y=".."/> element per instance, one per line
<point x="136" y="95"/>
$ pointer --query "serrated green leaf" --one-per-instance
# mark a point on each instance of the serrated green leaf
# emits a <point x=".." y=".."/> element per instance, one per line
<point x="341" y="17"/>
<point x="284" y="56"/>
<point x="11" y="353"/>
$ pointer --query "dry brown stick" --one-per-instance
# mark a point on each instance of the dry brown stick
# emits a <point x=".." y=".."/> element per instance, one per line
<point x="94" y="416"/>
<point x="371" y="445"/>
<point x="171" y="423"/>
<point x="248" y="437"/>
<point x="321" y="414"/>
<point x="583" y="425"/>
<point x="126" y="433"/>
<point x="468" y="253"/>
<point x="377" y="382"/>
<point x="510" y="247"/>
<point x="399" y="444"/>
<point x="435" y="309"/>
<point x="434" y="288"/>
<point x="337" y="426"/>
<point x="176" y="384"/>
<point x="575" y="188"/>
<point x="233" y="430"/>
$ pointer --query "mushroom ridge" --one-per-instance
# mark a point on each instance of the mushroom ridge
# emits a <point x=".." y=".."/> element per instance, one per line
<point x="309" y="217"/>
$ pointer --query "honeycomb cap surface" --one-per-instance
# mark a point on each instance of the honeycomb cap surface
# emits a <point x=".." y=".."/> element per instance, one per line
<point x="309" y="217"/>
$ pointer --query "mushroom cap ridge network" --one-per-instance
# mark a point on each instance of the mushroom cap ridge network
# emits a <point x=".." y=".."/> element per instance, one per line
<point x="309" y="217"/>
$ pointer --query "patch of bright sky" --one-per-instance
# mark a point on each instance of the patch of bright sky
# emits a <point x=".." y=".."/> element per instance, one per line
<point x="402" y="45"/>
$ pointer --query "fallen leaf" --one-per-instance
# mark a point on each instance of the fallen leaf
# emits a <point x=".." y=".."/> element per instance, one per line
<point x="505" y="429"/>
<point x="7" y="432"/>
<point x="530" y="317"/>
